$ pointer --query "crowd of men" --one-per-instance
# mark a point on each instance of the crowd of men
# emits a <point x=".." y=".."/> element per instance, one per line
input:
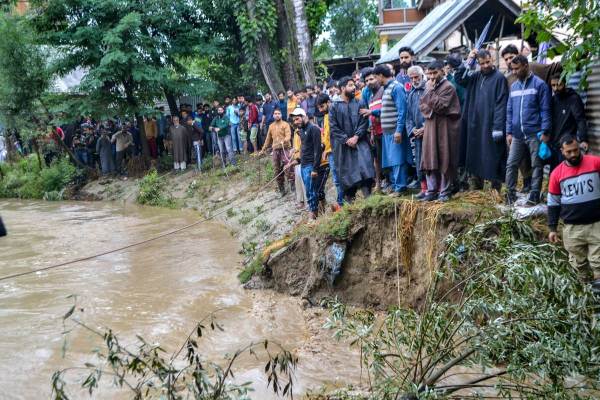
<point x="449" y="127"/>
<point x="431" y="131"/>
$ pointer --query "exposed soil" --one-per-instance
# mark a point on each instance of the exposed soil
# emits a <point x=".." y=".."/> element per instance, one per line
<point x="379" y="269"/>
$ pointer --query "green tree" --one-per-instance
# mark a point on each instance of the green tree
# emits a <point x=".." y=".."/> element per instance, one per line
<point x="576" y="23"/>
<point x="351" y="24"/>
<point x="132" y="51"/>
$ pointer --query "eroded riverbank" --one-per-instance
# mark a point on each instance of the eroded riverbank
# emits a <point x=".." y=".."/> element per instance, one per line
<point x="158" y="290"/>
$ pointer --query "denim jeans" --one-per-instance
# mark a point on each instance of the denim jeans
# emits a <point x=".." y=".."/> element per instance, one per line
<point x="310" y="186"/>
<point x="235" y="137"/>
<point x="82" y="155"/>
<point x="198" y="151"/>
<point x="336" y="180"/>
<point x="225" y="146"/>
<point x="519" y="149"/>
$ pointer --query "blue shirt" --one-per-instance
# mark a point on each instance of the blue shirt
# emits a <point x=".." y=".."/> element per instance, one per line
<point x="268" y="108"/>
<point x="232" y="114"/>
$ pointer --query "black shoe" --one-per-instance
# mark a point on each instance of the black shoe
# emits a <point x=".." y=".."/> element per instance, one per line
<point x="526" y="185"/>
<point x="430" y="197"/>
<point x="533" y="199"/>
<point x="421" y="196"/>
<point x="511" y="198"/>
<point x="444" y="198"/>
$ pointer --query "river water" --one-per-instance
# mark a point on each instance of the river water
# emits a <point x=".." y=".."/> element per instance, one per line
<point x="158" y="290"/>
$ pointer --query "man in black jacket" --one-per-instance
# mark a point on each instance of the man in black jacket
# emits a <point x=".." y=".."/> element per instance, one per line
<point x="310" y="156"/>
<point x="350" y="143"/>
<point x="568" y="118"/>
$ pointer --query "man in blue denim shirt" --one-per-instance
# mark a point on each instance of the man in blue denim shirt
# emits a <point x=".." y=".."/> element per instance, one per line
<point x="232" y="113"/>
<point x="528" y="120"/>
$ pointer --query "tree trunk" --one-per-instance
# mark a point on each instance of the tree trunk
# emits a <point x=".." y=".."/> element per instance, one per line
<point x="60" y="141"/>
<point x="133" y="104"/>
<point x="172" y="102"/>
<point x="284" y="38"/>
<point x="304" y="46"/>
<point x="265" y="60"/>
<point x="36" y="148"/>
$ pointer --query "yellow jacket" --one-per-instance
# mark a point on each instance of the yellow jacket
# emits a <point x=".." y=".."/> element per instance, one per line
<point x="297" y="145"/>
<point x="325" y="140"/>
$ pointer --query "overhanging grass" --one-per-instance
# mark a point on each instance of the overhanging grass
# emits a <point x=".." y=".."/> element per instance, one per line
<point x="253" y="268"/>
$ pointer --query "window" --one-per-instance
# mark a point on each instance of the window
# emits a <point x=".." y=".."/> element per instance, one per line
<point x="390" y="4"/>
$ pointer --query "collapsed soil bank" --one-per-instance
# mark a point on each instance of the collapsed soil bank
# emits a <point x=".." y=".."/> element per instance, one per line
<point x="386" y="257"/>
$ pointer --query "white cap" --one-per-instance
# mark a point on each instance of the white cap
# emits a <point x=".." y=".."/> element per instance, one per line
<point x="298" y="111"/>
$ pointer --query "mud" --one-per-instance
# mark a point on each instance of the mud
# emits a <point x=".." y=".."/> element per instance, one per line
<point x="378" y="270"/>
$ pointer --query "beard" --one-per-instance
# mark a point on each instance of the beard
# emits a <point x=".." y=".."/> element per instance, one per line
<point x="405" y="65"/>
<point x="575" y="161"/>
<point x="349" y="93"/>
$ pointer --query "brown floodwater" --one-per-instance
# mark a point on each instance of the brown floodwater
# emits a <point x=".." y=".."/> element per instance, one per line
<point x="158" y="290"/>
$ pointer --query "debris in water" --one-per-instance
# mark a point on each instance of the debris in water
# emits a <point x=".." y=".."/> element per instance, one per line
<point x="332" y="261"/>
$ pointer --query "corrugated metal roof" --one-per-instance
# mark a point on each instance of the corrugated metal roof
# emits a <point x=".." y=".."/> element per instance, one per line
<point x="439" y="24"/>
<point x="592" y="108"/>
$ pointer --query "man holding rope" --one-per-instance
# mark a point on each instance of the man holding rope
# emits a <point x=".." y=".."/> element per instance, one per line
<point x="279" y="137"/>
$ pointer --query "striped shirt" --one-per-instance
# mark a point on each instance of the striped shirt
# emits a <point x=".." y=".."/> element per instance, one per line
<point x="393" y="107"/>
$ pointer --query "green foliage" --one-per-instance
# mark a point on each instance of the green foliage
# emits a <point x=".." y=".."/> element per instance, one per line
<point x="132" y="52"/>
<point x="153" y="191"/>
<point x="147" y="371"/>
<point x="247" y="217"/>
<point x="25" y="180"/>
<point x="254" y="268"/>
<point x="262" y="225"/>
<point x="352" y="23"/>
<point x="576" y="23"/>
<point x="337" y="225"/>
<point x="316" y="12"/>
<point x="509" y="309"/>
<point x="24" y="77"/>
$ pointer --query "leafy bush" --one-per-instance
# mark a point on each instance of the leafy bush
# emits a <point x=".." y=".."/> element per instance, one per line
<point x="147" y="371"/>
<point x="153" y="191"/>
<point x="507" y="307"/>
<point x="25" y="180"/>
<point x="255" y="267"/>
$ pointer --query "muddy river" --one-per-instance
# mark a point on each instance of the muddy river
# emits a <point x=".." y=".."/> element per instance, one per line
<point x="158" y="291"/>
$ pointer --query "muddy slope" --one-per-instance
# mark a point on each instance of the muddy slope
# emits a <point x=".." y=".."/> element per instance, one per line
<point x="390" y="254"/>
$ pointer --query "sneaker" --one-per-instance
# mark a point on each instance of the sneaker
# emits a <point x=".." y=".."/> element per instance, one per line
<point x="421" y="195"/>
<point x="414" y="185"/>
<point x="533" y="199"/>
<point x="511" y="198"/>
<point x="387" y="190"/>
<point x="312" y="215"/>
<point x="444" y="198"/>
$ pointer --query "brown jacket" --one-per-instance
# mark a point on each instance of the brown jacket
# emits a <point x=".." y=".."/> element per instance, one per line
<point x="280" y="135"/>
<point x="441" y="108"/>
<point x="151" y="128"/>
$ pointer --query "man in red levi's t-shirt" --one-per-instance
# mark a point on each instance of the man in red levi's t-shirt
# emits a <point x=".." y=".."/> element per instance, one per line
<point x="574" y="197"/>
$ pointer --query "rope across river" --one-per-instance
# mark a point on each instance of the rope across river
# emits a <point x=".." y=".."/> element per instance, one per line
<point x="175" y="231"/>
